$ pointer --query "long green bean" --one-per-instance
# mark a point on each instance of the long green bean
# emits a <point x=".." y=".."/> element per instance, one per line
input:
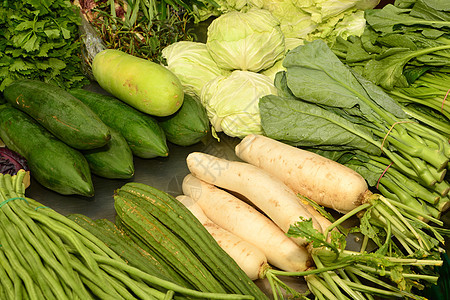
<point x="5" y="281"/>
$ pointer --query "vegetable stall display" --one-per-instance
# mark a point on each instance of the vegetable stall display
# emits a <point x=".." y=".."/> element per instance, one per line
<point x="342" y="131"/>
<point x="244" y="49"/>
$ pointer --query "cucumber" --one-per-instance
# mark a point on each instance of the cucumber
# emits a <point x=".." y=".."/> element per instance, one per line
<point x="114" y="160"/>
<point x="62" y="114"/>
<point x="188" y="125"/>
<point x="141" y="131"/>
<point x="141" y="83"/>
<point x="52" y="163"/>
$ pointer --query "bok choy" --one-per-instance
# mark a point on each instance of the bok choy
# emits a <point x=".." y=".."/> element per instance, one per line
<point x="324" y="105"/>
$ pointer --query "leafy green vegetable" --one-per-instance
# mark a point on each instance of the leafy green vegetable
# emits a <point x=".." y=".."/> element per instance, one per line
<point x="39" y="40"/>
<point x="304" y="124"/>
<point x="248" y="41"/>
<point x="430" y="90"/>
<point x="325" y="106"/>
<point x="405" y="49"/>
<point x="398" y="38"/>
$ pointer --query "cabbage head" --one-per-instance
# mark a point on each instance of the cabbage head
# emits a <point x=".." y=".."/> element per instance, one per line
<point x="290" y="43"/>
<point x="307" y="19"/>
<point x="344" y="25"/>
<point x="192" y="64"/>
<point x="232" y="102"/>
<point x="248" y="41"/>
<point x="295" y="22"/>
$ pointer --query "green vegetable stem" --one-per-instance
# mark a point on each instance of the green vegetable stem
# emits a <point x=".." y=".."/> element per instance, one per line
<point x="387" y="272"/>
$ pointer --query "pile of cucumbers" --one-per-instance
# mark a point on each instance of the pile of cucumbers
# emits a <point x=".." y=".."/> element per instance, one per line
<point x="67" y="135"/>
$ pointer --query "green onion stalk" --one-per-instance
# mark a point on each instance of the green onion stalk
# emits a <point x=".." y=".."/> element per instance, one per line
<point x="45" y="255"/>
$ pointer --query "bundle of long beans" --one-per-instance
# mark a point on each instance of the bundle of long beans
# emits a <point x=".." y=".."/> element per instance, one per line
<point x="45" y="255"/>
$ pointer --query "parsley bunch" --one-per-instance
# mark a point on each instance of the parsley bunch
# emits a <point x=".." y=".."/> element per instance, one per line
<point x="39" y="40"/>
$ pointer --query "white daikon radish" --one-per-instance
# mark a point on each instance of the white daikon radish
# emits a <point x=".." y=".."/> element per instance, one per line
<point x="243" y="220"/>
<point x="247" y="256"/>
<point x="263" y="189"/>
<point x="321" y="179"/>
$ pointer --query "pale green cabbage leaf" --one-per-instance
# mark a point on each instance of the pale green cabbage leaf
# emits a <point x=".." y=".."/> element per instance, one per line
<point x="248" y="41"/>
<point x="306" y="19"/>
<point x="232" y="101"/>
<point x="344" y="25"/>
<point x="290" y="43"/>
<point x="192" y="64"/>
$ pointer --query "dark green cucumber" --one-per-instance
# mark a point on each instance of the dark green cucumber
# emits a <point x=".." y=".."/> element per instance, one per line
<point x="174" y="215"/>
<point x="142" y="132"/>
<point x="162" y="239"/>
<point x="52" y="163"/>
<point x="114" y="160"/>
<point x="59" y="112"/>
<point x="188" y="125"/>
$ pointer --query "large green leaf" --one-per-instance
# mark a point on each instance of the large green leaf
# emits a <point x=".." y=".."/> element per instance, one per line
<point x="301" y="123"/>
<point x="315" y="74"/>
<point x="389" y="17"/>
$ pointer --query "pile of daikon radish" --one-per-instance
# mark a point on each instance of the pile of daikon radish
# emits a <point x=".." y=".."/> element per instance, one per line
<point x="250" y="207"/>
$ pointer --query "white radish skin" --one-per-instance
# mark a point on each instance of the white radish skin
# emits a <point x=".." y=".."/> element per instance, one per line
<point x="243" y="220"/>
<point x="321" y="179"/>
<point x="247" y="256"/>
<point x="264" y="190"/>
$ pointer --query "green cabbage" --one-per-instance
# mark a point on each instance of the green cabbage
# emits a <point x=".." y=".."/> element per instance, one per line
<point x="343" y="25"/>
<point x="192" y="64"/>
<point x="232" y="101"/>
<point x="249" y="41"/>
<point x="306" y="19"/>
<point x="290" y="43"/>
<point x="294" y="21"/>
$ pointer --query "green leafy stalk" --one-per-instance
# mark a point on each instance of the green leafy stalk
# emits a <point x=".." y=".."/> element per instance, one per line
<point x="380" y="221"/>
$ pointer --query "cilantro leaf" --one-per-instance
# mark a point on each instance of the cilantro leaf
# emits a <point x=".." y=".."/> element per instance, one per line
<point x="39" y="40"/>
